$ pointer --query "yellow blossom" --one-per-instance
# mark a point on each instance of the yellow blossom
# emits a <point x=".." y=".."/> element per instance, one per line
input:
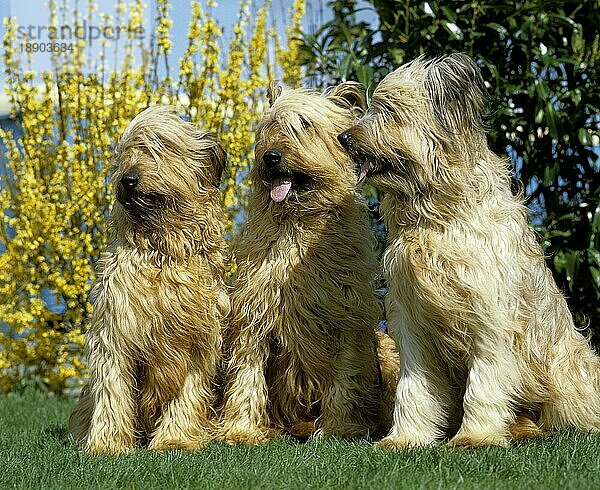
<point x="55" y="197"/>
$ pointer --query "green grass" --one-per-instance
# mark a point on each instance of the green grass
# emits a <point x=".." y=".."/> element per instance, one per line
<point x="35" y="453"/>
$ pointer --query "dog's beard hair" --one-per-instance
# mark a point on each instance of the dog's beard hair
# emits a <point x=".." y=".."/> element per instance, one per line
<point x="301" y="206"/>
<point x="470" y="294"/>
<point x="146" y="209"/>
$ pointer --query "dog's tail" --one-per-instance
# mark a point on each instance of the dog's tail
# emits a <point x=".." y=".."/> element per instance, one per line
<point x="389" y="364"/>
<point x="573" y="382"/>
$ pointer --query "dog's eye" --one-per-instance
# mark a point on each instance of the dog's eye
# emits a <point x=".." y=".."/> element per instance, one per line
<point x="306" y="124"/>
<point x="383" y="108"/>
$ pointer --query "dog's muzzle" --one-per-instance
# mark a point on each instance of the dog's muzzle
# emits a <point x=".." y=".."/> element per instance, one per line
<point x="280" y="181"/>
<point x="362" y="166"/>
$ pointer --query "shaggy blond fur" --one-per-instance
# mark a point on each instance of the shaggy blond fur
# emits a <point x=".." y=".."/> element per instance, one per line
<point x="483" y="332"/>
<point x="301" y="333"/>
<point x="154" y="341"/>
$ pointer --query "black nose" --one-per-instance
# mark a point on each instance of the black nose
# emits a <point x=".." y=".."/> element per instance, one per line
<point x="272" y="157"/>
<point x="130" y="180"/>
<point x="344" y="139"/>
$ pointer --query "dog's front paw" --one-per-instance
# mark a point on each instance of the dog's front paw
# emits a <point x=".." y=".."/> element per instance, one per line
<point x="115" y="447"/>
<point x="525" y="428"/>
<point x="466" y="441"/>
<point x="345" y="431"/>
<point x="245" y="436"/>
<point x="159" y="445"/>
<point x="303" y="430"/>
<point x="400" y="442"/>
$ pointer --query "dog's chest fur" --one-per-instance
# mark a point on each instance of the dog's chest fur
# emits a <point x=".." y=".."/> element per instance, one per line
<point x="439" y="275"/>
<point x="316" y="293"/>
<point x="312" y="285"/>
<point x="154" y="302"/>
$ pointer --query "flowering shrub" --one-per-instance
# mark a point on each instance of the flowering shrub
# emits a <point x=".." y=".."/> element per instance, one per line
<point x="54" y="198"/>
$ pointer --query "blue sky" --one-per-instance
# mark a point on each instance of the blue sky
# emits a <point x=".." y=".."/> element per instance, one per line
<point x="32" y="16"/>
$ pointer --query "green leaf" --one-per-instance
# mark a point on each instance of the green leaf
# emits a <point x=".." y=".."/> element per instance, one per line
<point x="448" y="13"/>
<point x="550" y="173"/>
<point x="559" y="233"/>
<point x="345" y="66"/>
<point x="577" y="42"/>
<point x="567" y="261"/>
<point x="585" y="138"/>
<point x="551" y="120"/>
<point x="595" y="276"/>
<point x="542" y="89"/>
<point x="596" y="221"/>
<point x="594" y="256"/>
<point x="497" y="27"/>
<point x="539" y="117"/>
<point x="364" y="74"/>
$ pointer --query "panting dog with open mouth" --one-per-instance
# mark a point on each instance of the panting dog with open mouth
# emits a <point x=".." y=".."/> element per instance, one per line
<point x="489" y="350"/>
<point x="301" y="336"/>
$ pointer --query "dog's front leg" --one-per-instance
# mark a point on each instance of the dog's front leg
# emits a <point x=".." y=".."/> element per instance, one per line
<point x="112" y="425"/>
<point x="186" y="421"/>
<point x="491" y="385"/>
<point x="245" y="416"/>
<point x="423" y="397"/>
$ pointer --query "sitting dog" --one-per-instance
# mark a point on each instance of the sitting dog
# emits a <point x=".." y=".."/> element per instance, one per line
<point x="154" y="341"/>
<point x="301" y="334"/>
<point x="483" y="332"/>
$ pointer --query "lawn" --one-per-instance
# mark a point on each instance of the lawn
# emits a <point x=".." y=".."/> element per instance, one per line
<point x="35" y="453"/>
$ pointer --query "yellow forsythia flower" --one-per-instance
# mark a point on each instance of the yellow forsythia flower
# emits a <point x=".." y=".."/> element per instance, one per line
<point x="54" y="197"/>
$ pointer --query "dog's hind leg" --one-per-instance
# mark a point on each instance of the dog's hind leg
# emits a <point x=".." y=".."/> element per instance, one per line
<point x="350" y="404"/>
<point x="574" y="391"/>
<point x="79" y="421"/>
<point x="389" y="362"/>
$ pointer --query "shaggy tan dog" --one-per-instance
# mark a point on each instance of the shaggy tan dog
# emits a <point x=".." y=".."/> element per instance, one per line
<point x="482" y="330"/>
<point x="301" y="332"/>
<point x="154" y="340"/>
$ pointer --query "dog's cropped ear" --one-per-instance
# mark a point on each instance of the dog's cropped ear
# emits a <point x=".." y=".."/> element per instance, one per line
<point x="273" y="91"/>
<point x="219" y="161"/>
<point x="348" y="94"/>
<point x="457" y="93"/>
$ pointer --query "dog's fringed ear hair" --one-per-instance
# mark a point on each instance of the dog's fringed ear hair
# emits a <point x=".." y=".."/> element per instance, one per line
<point x="457" y="93"/>
<point x="219" y="161"/>
<point x="273" y="91"/>
<point x="348" y="94"/>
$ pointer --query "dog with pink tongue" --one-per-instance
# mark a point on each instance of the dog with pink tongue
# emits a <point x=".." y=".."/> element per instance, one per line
<point x="303" y="353"/>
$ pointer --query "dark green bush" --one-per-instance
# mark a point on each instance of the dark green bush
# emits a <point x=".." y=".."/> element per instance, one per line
<point x="541" y="59"/>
